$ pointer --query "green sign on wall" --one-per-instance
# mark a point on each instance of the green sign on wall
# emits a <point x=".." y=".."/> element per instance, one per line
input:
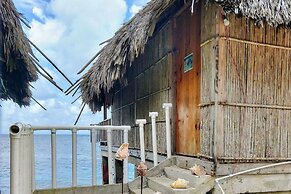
<point x="188" y="63"/>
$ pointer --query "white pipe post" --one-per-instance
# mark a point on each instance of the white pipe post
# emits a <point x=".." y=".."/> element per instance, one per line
<point x="74" y="157"/>
<point x="32" y="161"/>
<point x="141" y="123"/>
<point x="167" y="107"/>
<point x="153" y="116"/>
<point x="54" y="158"/>
<point x="93" y="149"/>
<point x="15" y="135"/>
<point x="125" y="163"/>
<point x="109" y="151"/>
<point x="26" y="160"/>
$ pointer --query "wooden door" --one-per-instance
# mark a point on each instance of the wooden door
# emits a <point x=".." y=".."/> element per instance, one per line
<point x="187" y="43"/>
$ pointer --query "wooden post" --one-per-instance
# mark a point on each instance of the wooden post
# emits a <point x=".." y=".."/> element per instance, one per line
<point x="118" y="170"/>
<point x="105" y="170"/>
<point x="219" y="70"/>
<point x="104" y="111"/>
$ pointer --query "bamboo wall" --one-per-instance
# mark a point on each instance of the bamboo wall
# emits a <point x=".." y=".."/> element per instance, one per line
<point x="149" y="85"/>
<point x="256" y="66"/>
<point x="246" y="88"/>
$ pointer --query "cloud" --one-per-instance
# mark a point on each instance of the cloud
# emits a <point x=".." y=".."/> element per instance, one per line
<point x="69" y="32"/>
<point x="134" y="9"/>
<point x="136" y="6"/>
<point x="38" y="12"/>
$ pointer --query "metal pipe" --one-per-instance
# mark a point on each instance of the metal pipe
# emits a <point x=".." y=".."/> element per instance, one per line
<point x="32" y="162"/>
<point x="26" y="162"/>
<point x="109" y="152"/>
<point x="153" y="116"/>
<point x="15" y="134"/>
<point x="247" y="171"/>
<point x="21" y="159"/>
<point x="74" y="157"/>
<point x="93" y="149"/>
<point x="80" y="128"/>
<point x="125" y="163"/>
<point x="167" y="107"/>
<point x="54" y="158"/>
<point x="141" y="123"/>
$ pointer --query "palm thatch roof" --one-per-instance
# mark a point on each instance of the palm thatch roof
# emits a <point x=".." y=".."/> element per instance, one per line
<point x="129" y="41"/>
<point x="17" y="69"/>
<point x="274" y="12"/>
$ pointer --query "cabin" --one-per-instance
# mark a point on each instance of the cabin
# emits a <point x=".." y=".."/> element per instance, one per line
<point x="225" y="67"/>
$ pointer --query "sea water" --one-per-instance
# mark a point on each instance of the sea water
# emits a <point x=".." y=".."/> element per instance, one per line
<point x="64" y="162"/>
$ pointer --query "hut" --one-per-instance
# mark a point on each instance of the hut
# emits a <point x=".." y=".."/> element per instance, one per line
<point x="225" y="67"/>
<point x="17" y="69"/>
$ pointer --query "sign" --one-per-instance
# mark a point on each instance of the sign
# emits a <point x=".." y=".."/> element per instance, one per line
<point x="188" y="63"/>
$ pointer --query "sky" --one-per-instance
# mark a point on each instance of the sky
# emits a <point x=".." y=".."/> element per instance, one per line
<point x="69" y="33"/>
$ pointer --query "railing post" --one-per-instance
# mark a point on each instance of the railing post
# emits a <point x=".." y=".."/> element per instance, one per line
<point x="74" y="157"/>
<point x="109" y="151"/>
<point x="32" y="161"/>
<point x="15" y="135"/>
<point x="93" y="149"/>
<point x="167" y="107"/>
<point x="125" y="164"/>
<point x="54" y="158"/>
<point x="153" y="116"/>
<point x="21" y="161"/>
<point x="141" y="123"/>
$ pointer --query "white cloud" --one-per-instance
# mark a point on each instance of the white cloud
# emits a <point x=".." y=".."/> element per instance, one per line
<point x="47" y="35"/>
<point x="138" y="5"/>
<point x="134" y="9"/>
<point x="71" y="34"/>
<point x="38" y="12"/>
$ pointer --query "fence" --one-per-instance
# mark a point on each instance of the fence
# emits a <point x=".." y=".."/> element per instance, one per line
<point x="22" y="178"/>
<point x="22" y="168"/>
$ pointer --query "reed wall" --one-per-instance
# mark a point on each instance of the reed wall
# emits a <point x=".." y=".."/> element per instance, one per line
<point x="246" y="88"/>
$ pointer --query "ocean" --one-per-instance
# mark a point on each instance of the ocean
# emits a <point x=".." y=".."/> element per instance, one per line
<point x="64" y="162"/>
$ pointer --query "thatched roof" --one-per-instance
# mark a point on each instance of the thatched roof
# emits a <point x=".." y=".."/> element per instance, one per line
<point x="119" y="53"/>
<point x="274" y="12"/>
<point x="16" y="67"/>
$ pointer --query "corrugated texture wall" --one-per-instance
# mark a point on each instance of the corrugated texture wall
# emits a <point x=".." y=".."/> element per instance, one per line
<point x="149" y="85"/>
<point x="256" y="68"/>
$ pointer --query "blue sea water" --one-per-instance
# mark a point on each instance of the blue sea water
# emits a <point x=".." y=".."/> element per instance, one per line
<point x="64" y="162"/>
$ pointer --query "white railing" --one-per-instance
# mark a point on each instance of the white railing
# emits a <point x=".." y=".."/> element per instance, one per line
<point x="22" y="178"/>
<point x="142" y="122"/>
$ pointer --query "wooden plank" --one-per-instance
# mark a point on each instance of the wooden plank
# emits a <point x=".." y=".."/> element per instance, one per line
<point x="219" y="71"/>
<point x="188" y="84"/>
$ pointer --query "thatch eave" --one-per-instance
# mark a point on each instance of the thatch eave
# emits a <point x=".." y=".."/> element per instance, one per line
<point x="130" y="40"/>
<point x="17" y="69"/>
